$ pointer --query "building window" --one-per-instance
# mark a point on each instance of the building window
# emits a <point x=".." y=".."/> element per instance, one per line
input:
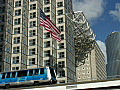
<point x="46" y="35"/>
<point x="1" y="28"/>
<point x="47" y="9"/>
<point x="2" y="1"/>
<point x="61" y="28"/>
<point x="60" y="20"/>
<point x="15" y="68"/>
<point x="32" y="61"/>
<point x="10" y="20"/>
<point x="9" y="30"/>
<point x="16" y="60"/>
<point x="17" y="3"/>
<point x="32" y="23"/>
<point x="32" y="15"/>
<point x="46" y="2"/>
<point x="24" y="50"/>
<point x="32" y="51"/>
<point x="60" y="12"/>
<point x="32" y="33"/>
<point x="24" y="30"/>
<point x="1" y="46"/>
<point x="48" y="16"/>
<point x="1" y="37"/>
<point x="32" y="42"/>
<point x="18" y="12"/>
<point x="0" y="68"/>
<point x="32" y="6"/>
<point x="62" y="36"/>
<point x="61" y="45"/>
<point x="0" y="58"/>
<point x="61" y="55"/>
<point x="83" y="68"/>
<point x="61" y="73"/>
<point x="17" y="21"/>
<point x="61" y="64"/>
<point x="2" y="18"/>
<point x="47" y="53"/>
<point x="47" y="63"/>
<point x="88" y="72"/>
<point x="2" y="9"/>
<point x="16" y="50"/>
<point x="47" y="44"/>
<point x="8" y="49"/>
<point x="59" y="4"/>
<point x="17" y="30"/>
<point x="32" y="0"/>
<point x="16" y="40"/>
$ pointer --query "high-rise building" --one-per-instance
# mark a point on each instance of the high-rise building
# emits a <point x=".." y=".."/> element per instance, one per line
<point x="24" y="44"/>
<point x="90" y="59"/>
<point x="22" y="36"/>
<point x="113" y="55"/>
<point x="65" y="49"/>
<point x="94" y="67"/>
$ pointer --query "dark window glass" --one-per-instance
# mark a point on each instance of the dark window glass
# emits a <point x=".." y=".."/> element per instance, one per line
<point x="17" y="3"/>
<point x="60" y="12"/>
<point x="47" y="35"/>
<point x="13" y="74"/>
<point x="30" y="72"/>
<point x="59" y="4"/>
<point x="8" y="75"/>
<point x="62" y="36"/>
<point x="17" y="30"/>
<point x="46" y="2"/>
<point x="32" y="6"/>
<point x="61" y="64"/>
<point x="32" y="0"/>
<point x="47" y="53"/>
<point x="42" y="71"/>
<point x="32" y="15"/>
<point x="47" y="9"/>
<point x="36" y="71"/>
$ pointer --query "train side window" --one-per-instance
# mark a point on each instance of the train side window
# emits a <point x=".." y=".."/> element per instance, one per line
<point x="8" y="75"/>
<point x="3" y="75"/>
<point x="36" y="71"/>
<point x="30" y="72"/>
<point x="22" y="73"/>
<point x="42" y="71"/>
<point x="13" y="74"/>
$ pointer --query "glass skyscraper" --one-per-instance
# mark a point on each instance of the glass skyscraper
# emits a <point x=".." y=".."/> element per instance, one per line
<point x="113" y="55"/>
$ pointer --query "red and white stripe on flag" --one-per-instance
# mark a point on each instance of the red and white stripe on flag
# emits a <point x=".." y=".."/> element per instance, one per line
<point x="51" y="27"/>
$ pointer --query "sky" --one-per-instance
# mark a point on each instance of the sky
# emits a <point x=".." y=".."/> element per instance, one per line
<point x="103" y="16"/>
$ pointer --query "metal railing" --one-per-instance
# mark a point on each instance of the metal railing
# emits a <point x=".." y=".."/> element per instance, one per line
<point x="84" y="37"/>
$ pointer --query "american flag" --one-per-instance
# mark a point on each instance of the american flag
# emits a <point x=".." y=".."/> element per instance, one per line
<point x="49" y="26"/>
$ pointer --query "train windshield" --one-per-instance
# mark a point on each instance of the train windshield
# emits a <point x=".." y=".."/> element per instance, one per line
<point x="52" y="72"/>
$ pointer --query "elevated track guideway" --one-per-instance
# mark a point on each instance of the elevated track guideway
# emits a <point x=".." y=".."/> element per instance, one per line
<point x="92" y="85"/>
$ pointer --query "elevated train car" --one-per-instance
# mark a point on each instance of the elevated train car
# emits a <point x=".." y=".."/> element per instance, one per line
<point x="29" y="76"/>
